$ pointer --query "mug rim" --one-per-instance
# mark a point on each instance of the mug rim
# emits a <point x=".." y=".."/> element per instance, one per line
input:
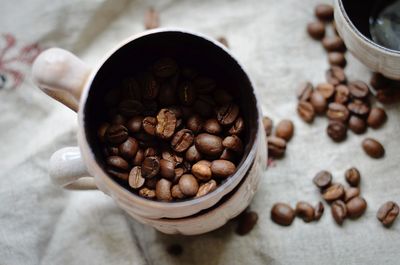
<point x="97" y="171"/>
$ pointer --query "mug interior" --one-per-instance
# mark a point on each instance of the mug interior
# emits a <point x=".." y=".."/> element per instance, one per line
<point x="207" y="56"/>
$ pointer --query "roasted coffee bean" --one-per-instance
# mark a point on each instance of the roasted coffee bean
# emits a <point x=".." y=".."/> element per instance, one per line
<point x="282" y="214"/>
<point x="151" y="183"/>
<point x="163" y="190"/>
<point x="179" y="171"/>
<point x="204" y="106"/>
<point x="342" y="94"/>
<point x="111" y="151"/>
<point x="276" y="146"/>
<point x="318" y="101"/>
<point x="325" y="89"/>
<point x="324" y="12"/>
<point x="202" y="170"/>
<point x="247" y="221"/>
<point x="316" y="30"/>
<point x="237" y="127"/>
<point x="233" y="143"/>
<point x="353" y="176"/>
<point x="227" y="114"/>
<point x="335" y="75"/>
<point x="333" y="44"/>
<point x="165" y="67"/>
<point x="204" y="85"/>
<point x="192" y="155"/>
<point x="135" y="124"/>
<point x="359" y="108"/>
<point x="222" y="168"/>
<point x="206" y="188"/>
<point x="358" y="89"/>
<point x="339" y="211"/>
<point x="187" y="93"/>
<point x="356" y="207"/>
<point x="357" y="125"/>
<point x="222" y="97"/>
<point x="118" y="174"/>
<point x="228" y="154"/>
<point x="188" y="185"/>
<point x="338" y="112"/>
<point x="131" y="89"/>
<point x="212" y="126"/>
<point x="136" y="180"/>
<point x="182" y="140"/>
<point x="167" y="169"/>
<point x="306" y="111"/>
<point x="350" y="193"/>
<point x="195" y="123"/>
<point x="304" y="91"/>
<point x="333" y="192"/>
<point x="150" y="107"/>
<point x="167" y="95"/>
<point x="147" y="193"/>
<point x="377" y="116"/>
<point x="176" y="192"/>
<point x="175" y="250"/>
<point x="116" y="134"/>
<point x="150" y="166"/>
<point x="118" y="163"/>
<point x="209" y="144"/>
<point x="151" y="19"/>
<point x="373" y="148"/>
<point x="337" y="131"/>
<point x="284" y="130"/>
<point x="268" y="124"/>
<point x="166" y="123"/>
<point x="129" y="148"/>
<point x="130" y="107"/>
<point x="337" y="58"/>
<point x="318" y="211"/>
<point x="138" y="158"/>
<point x="150" y="87"/>
<point x="149" y="125"/>
<point x="305" y="211"/>
<point x="323" y="179"/>
<point x="388" y="213"/>
<point x="150" y="151"/>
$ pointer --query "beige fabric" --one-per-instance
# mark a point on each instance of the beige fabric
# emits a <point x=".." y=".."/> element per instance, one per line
<point x="41" y="224"/>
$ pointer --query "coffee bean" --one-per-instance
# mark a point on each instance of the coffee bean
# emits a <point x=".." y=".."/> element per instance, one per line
<point x="131" y="89"/>
<point x="333" y="192"/>
<point x="337" y="131"/>
<point x="337" y="58"/>
<point x="306" y="111"/>
<point x="195" y="123"/>
<point x="192" y="154"/>
<point x="187" y="93"/>
<point x="151" y="19"/>
<point x="130" y="107"/>
<point x="163" y="190"/>
<point x="376" y="117"/>
<point x="175" y="250"/>
<point x="335" y="75"/>
<point x="147" y="193"/>
<point x="167" y="95"/>
<point x="316" y="30"/>
<point x="284" y="129"/>
<point x="282" y="214"/>
<point x="325" y="89"/>
<point x="165" y="67"/>
<point x="150" y="87"/>
<point x="357" y="125"/>
<point x="333" y="44"/>
<point x="342" y="94"/>
<point x="111" y="151"/>
<point x="305" y="211"/>
<point x="176" y="192"/>
<point x="353" y="176"/>
<point x="304" y="91"/>
<point x="206" y="188"/>
<point x="138" y="158"/>
<point x="247" y="221"/>
<point x="318" y="211"/>
<point x="268" y="124"/>
<point x="150" y="151"/>
<point x="388" y="213"/>
<point x="167" y="169"/>
<point x="149" y="125"/>
<point x="276" y="146"/>
<point x="339" y="211"/>
<point x="227" y="114"/>
<point x="166" y="123"/>
<point x="151" y="183"/>
<point x="209" y="144"/>
<point x="237" y="127"/>
<point x="356" y="207"/>
<point x="118" y="163"/>
<point x="202" y="170"/>
<point x="101" y="132"/>
<point x="188" y="185"/>
<point x="318" y="101"/>
<point x="233" y="143"/>
<point x="150" y="166"/>
<point x="324" y="12"/>
<point x="228" y="154"/>
<point x="323" y="179"/>
<point x="373" y="148"/>
<point x="222" y="168"/>
<point x="116" y="134"/>
<point x="358" y="89"/>
<point x="204" y="85"/>
<point x="213" y="127"/>
<point x="129" y="148"/>
<point x="168" y="155"/>
<point x="182" y="140"/>
<point x="134" y="125"/>
<point x="359" y="108"/>
<point x="337" y="112"/>
<point x="118" y="174"/>
<point x="136" y="180"/>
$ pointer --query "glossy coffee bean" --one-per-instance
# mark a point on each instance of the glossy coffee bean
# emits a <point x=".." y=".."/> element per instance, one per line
<point x="318" y="101"/>
<point x="150" y="151"/>
<point x="167" y="169"/>
<point x="304" y="91"/>
<point x="222" y="168"/>
<point x="338" y="112"/>
<point x="212" y="126"/>
<point x="373" y="148"/>
<point x="333" y="44"/>
<point x="339" y="211"/>
<point x="350" y="193"/>
<point x="335" y="75"/>
<point x="165" y="67"/>
<point x="176" y="192"/>
<point x="209" y="144"/>
<point x="237" y="127"/>
<point x="284" y="129"/>
<point x="247" y="221"/>
<point x="150" y="166"/>
<point x="233" y="143"/>
<point x="276" y="146"/>
<point x="282" y="214"/>
<point x="187" y="93"/>
<point x="188" y="185"/>
<point x="316" y="30"/>
<point x="118" y="163"/>
<point x="134" y="125"/>
<point x="337" y="58"/>
<point x="195" y="123"/>
<point x="116" y="134"/>
<point x="323" y="179"/>
<point x="202" y="170"/>
<point x="227" y="114"/>
<point x="306" y="111"/>
<point x="149" y="125"/>
<point x="136" y="179"/>
<point x="163" y="190"/>
<point x="182" y="140"/>
<point x="376" y="117"/>
<point x="206" y="188"/>
<point x="353" y="176"/>
<point x="337" y="131"/>
<point x="138" y="158"/>
<point x="342" y="94"/>
<point x="129" y="148"/>
<point x="305" y="211"/>
<point x="268" y="125"/>
<point x="147" y="193"/>
<point x="318" y="211"/>
<point x="356" y="207"/>
<point x="228" y="154"/>
<point x="166" y="123"/>
<point x="324" y="12"/>
<point x="359" y="108"/>
<point x="358" y="89"/>
<point x="388" y="213"/>
<point x="326" y="89"/>
<point x="333" y="192"/>
<point x="357" y="125"/>
<point x="192" y="154"/>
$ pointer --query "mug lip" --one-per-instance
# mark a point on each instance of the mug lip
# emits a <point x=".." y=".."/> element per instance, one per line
<point x="368" y="41"/>
<point x="97" y="171"/>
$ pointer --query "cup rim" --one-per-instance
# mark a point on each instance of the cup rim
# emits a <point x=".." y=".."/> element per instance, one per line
<point x="97" y="171"/>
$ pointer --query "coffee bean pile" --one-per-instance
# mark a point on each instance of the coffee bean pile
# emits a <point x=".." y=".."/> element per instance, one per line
<point x="283" y="133"/>
<point x="173" y="135"/>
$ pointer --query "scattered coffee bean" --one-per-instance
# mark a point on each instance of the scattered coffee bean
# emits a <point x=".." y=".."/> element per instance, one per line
<point x="342" y="94"/>
<point x="324" y="12"/>
<point x="304" y="91"/>
<point x="388" y="213"/>
<point x="276" y="146"/>
<point x="202" y="170"/>
<point x="118" y="163"/>
<point x="163" y="190"/>
<point x="377" y="116"/>
<point x="339" y="211"/>
<point x="350" y="193"/>
<point x="333" y="192"/>
<point x="222" y="168"/>
<point x="326" y="89"/>
<point x="182" y="140"/>
<point x="209" y="144"/>
<point x="268" y="124"/>
<point x="358" y="89"/>
<point x="247" y="221"/>
<point x="359" y="108"/>
<point x="136" y="180"/>
<point x="356" y="207"/>
<point x="285" y="129"/>
<point x="150" y="166"/>
<point x="338" y="112"/>
<point x="318" y="211"/>
<point x="357" y="125"/>
<point x="318" y="101"/>
<point x="188" y="185"/>
<point x="306" y="111"/>
<point x="335" y="75"/>
<point x="206" y="188"/>
<point x="175" y="250"/>
<point x="151" y="19"/>
<point x="305" y="211"/>
<point x="282" y="214"/>
<point x="333" y="44"/>
<point x="337" y="58"/>
<point x="316" y="30"/>
<point x="337" y="131"/>
<point x="353" y="176"/>
<point x="323" y="179"/>
<point x="373" y="148"/>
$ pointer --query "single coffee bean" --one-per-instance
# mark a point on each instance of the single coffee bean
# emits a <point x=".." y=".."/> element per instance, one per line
<point x="318" y="101"/>
<point x="206" y="188"/>
<point x="167" y="169"/>
<point x="192" y="154"/>
<point x="138" y="158"/>
<point x="338" y="112"/>
<point x="150" y="166"/>
<point x="358" y="89"/>
<point x="182" y="140"/>
<point x="339" y="211"/>
<point x="357" y="125"/>
<point x="116" y="134"/>
<point x="323" y="179"/>
<point x="202" y="170"/>
<point x="306" y="111"/>
<point x="187" y="93"/>
<point x="316" y="30"/>
<point x="373" y="148"/>
<point x="333" y="44"/>
<point x="118" y="174"/>
<point x="276" y="146"/>
<point x="304" y="91"/>
<point x="129" y="148"/>
<point x="166" y="123"/>
<point x="324" y="12"/>
<point x="118" y="163"/>
<point x="333" y="192"/>
<point x="268" y="125"/>
<point x="350" y="193"/>
<point x="151" y="19"/>
<point x="195" y="123"/>
<point x="167" y="94"/>
<point x="237" y="127"/>
<point x="228" y="154"/>
<point x="147" y="193"/>
<point x="204" y="85"/>
<point x="353" y="176"/>
<point x="150" y="87"/>
<point x="282" y="214"/>
<point x="342" y="94"/>
<point x="131" y="89"/>
<point x="335" y="75"/>
<point x="227" y="114"/>
<point x="176" y="192"/>
<point x="233" y="143"/>
<point x="188" y="185"/>
<point x="337" y="131"/>
<point x="388" y="213"/>
<point x="136" y="180"/>
<point x="285" y="129"/>
<point x="150" y="108"/>
<point x="222" y="168"/>
<point x="247" y="221"/>
<point x="222" y="97"/>
<point x="305" y="211"/>
<point x="337" y="58"/>
<point x="101" y="132"/>
<point x="377" y="116"/>
<point x="134" y="125"/>
<point x="163" y="190"/>
<point x="149" y="125"/>
<point x="359" y="108"/>
<point x="165" y="67"/>
<point x="212" y="126"/>
<point x="209" y="144"/>
<point x="130" y="107"/>
<point x="356" y="207"/>
<point x="325" y="89"/>
<point x="318" y="211"/>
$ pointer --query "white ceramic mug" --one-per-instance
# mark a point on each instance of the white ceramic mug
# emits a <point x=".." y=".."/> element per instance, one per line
<point x="66" y="78"/>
